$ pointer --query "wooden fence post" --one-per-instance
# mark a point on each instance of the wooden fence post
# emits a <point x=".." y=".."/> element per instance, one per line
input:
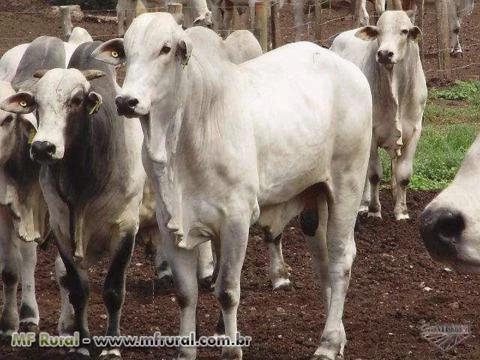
<point x="317" y="26"/>
<point x="261" y="24"/>
<point x="420" y="16"/>
<point x="275" y="24"/>
<point x="444" y="69"/>
<point x="66" y="14"/>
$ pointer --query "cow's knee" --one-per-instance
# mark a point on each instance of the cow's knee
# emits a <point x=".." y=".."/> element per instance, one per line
<point x="374" y="179"/>
<point x="228" y="299"/>
<point x="10" y="277"/>
<point x="309" y="222"/>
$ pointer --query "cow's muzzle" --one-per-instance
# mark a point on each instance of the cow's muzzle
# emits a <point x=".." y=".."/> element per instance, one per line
<point x="441" y="230"/>
<point x="42" y="151"/>
<point x="126" y="105"/>
<point x="385" y="57"/>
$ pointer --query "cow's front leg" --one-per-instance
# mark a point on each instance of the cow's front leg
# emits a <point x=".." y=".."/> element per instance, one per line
<point x="29" y="316"/>
<point x="205" y="266"/>
<point x="10" y="272"/>
<point x="114" y="291"/>
<point x="74" y="290"/>
<point x="403" y="172"/>
<point x="233" y="245"/>
<point x="184" y="269"/>
<point x="278" y="270"/>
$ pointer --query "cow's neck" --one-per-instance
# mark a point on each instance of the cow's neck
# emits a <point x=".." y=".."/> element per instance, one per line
<point x="20" y="190"/>
<point x="188" y="132"/>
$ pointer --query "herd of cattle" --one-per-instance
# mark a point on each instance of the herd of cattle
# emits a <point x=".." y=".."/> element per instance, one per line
<point x="221" y="15"/>
<point x="205" y="138"/>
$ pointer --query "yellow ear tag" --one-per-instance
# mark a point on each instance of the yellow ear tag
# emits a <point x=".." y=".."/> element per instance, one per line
<point x="23" y="103"/>
<point x="114" y="54"/>
<point x="95" y="107"/>
<point x="31" y="135"/>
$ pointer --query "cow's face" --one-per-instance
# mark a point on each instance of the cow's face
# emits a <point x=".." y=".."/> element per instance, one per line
<point x="450" y="224"/>
<point x="62" y="99"/>
<point x="156" y="51"/>
<point x="393" y="32"/>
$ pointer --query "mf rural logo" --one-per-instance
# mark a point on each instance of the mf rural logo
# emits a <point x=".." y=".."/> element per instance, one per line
<point x="446" y="336"/>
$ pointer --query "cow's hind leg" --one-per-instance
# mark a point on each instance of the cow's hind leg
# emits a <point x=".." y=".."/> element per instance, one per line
<point x="114" y="291"/>
<point x="234" y="238"/>
<point x="341" y="253"/>
<point x="10" y="272"/>
<point x="375" y="174"/>
<point x="29" y="316"/>
<point x="402" y="171"/>
<point x="278" y="270"/>
<point x="74" y="290"/>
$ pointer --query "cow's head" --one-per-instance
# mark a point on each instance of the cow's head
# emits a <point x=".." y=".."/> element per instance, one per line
<point x="62" y="99"/>
<point x="156" y="50"/>
<point x="393" y="32"/>
<point x="12" y="125"/>
<point x="450" y="224"/>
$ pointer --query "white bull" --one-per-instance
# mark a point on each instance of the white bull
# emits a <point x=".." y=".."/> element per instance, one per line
<point x="388" y="55"/>
<point x="450" y="224"/>
<point x="230" y="145"/>
<point x="457" y="9"/>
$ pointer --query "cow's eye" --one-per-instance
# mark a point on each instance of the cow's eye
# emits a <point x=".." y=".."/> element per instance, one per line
<point x="165" y="50"/>
<point x="77" y="100"/>
<point x="405" y="32"/>
<point x="7" y="120"/>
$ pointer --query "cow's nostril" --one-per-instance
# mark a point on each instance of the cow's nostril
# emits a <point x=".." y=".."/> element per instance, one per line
<point x="132" y="103"/>
<point x="449" y="224"/>
<point x="390" y="54"/>
<point x="43" y="150"/>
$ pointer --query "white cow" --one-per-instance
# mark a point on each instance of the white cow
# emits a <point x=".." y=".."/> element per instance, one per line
<point x="457" y="9"/>
<point x="23" y="215"/>
<point x="450" y="224"/>
<point x="230" y="145"/>
<point x="388" y="55"/>
<point x="10" y="60"/>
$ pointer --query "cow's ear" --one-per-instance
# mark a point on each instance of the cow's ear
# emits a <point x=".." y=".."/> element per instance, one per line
<point x="411" y="15"/>
<point x="415" y="33"/>
<point x="94" y="101"/>
<point x="93" y="74"/>
<point x="367" y="33"/>
<point x="111" y="52"/>
<point x="20" y="103"/>
<point x="28" y="122"/>
<point x="184" y="50"/>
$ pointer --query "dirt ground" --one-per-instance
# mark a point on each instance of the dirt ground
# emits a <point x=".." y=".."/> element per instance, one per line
<point x="387" y="300"/>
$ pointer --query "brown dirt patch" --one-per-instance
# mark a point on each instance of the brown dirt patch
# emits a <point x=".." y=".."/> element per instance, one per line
<point x="385" y="308"/>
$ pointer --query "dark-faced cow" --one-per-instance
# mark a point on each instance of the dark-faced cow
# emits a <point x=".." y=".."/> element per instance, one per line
<point x="230" y="145"/>
<point x="92" y="179"/>
<point x="23" y="210"/>
<point x="388" y="55"/>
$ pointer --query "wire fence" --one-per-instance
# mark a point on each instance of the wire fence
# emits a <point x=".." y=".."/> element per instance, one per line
<point x="334" y="20"/>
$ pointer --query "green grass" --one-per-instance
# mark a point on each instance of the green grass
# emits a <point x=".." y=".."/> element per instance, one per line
<point x="451" y="124"/>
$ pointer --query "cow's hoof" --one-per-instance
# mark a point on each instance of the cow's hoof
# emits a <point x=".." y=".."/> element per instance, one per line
<point x="112" y="354"/>
<point x="456" y="53"/>
<point x="78" y="354"/>
<point x="28" y="327"/>
<point x="376" y="214"/>
<point x="363" y="210"/>
<point x="281" y="283"/>
<point x="206" y="284"/>
<point x="402" y="216"/>
<point x="164" y="285"/>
